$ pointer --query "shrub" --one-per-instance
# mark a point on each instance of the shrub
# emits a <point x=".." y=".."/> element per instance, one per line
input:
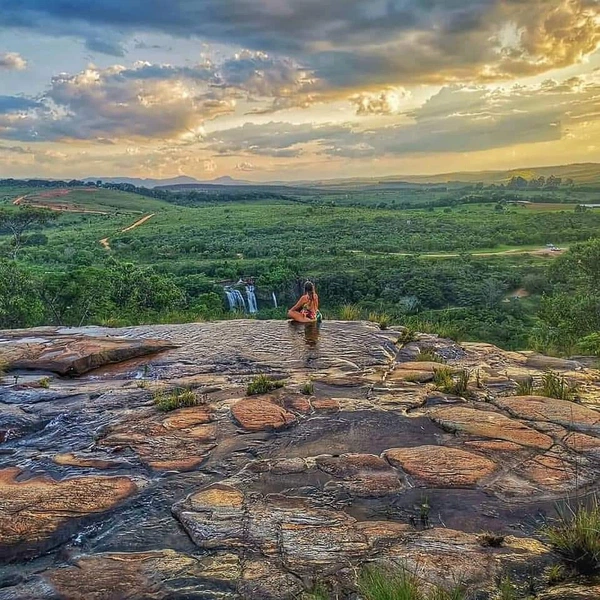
<point x="262" y="384"/>
<point x="44" y="382"/>
<point x="556" y="386"/>
<point x="590" y="344"/>
<point x="178" y="398"/>
<point x="576" y="536"/>
<point x="350" y="312"/>
<point x="308" y="389"/>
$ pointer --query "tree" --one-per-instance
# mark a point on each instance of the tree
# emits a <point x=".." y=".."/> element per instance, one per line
<point x="20" y="305"/>
<point x="20" y="221"/>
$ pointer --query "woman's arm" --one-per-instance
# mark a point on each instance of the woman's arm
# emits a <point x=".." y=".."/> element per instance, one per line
<point x="295" y="314"/>
<point x="299" y="304"/>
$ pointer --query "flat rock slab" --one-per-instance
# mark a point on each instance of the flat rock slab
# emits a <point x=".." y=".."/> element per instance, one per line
<point x="153" y="575"/>
<point x="181" y="441"/>
<point x="256" y="414"/>
<point x="33" y="512"/>
<point x="538" y="361"/>
<point x="489" y="424"/>
<point x="562" y="412"/>
<point x="440" y="466"/>
<point x="73" y="354"/>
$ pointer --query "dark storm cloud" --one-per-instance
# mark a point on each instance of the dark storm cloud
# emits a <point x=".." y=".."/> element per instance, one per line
<point x="347" y="43"/>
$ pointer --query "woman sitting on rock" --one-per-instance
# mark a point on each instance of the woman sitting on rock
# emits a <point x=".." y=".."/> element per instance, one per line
<point x="306" y="310"/>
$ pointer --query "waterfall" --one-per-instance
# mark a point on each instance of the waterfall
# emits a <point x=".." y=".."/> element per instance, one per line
<point x="252" y="304"/>
<point x="274" y="300"/>
<point x="235" y="299"/>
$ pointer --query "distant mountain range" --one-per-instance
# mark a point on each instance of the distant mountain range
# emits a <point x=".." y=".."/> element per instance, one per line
<point x="580" y="173"/>
<point x="181" y="180"/>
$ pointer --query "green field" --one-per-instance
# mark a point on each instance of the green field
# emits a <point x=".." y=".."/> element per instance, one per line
<point x="448" y="266"/>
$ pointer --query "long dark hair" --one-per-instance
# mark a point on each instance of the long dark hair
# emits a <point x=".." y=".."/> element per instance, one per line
<point x="309" y="288"/>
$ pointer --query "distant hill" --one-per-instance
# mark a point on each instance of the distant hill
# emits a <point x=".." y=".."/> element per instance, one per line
<point x="181" y="180"/>
<point x="581" y="173"/>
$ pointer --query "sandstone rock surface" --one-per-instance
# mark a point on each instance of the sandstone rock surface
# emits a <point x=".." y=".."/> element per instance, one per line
<point x="73" y="354"/>
<point x="104" y="497"/>
<point x="441" y="467"/>
<point x="489" y="424"/>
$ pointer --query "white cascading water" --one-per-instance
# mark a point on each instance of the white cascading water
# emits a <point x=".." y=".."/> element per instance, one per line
<point x="252" y="303"/>
<point x="235" y="299"/>
<point x="274" y="300"/>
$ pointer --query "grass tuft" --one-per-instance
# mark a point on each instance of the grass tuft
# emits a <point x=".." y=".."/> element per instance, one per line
<point x="428" y="354"/>
<point x="556" y="386"/>
<point x="525" y="387"/>
<point x="350" y="312"/>
<point x="447" y="382"/>
<point x="556" y="574"/>
<point x="382" y="319"/>
<point x="401" y="584"/>
<point x="178" y="398"/>
<point x="44" y="382"/>
<point x="308" y="389"/>
<point x="406" y="337"/>
<point x="262" y="384"/>
<point x="576" y="536"/>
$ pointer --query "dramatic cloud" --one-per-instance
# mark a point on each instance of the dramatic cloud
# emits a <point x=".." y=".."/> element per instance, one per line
<point x="12" y="61"/>
<point x="457" y="119"/>
<point x="353" y="43"/>
<point x="146" y="101"/>
<point x="385" y="102"/>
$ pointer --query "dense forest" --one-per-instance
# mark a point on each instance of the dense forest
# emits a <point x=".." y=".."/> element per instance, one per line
<point x="468" y="261"/>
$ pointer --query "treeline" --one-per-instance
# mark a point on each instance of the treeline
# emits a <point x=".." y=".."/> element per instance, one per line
<point x="115" y="294"/>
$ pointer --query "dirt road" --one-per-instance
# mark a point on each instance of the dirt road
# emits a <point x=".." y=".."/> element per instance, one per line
<point x="104" y="241"/>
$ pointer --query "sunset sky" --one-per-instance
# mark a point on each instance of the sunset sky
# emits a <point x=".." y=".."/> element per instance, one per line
<point x="296" y="89"/>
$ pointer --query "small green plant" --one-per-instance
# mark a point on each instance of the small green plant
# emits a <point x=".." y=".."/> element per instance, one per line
<point x="489" y="539"/>
<point x="556" y="574"/>
<point x="576" y="536"/>
<point x="447" y="382"/>
<point x="401" y="584"/>
<point x="262" y="384"/>
<point x="142" y="384"/>
<point x="443" y="379"/>
<point x="308" y="389"/>
<point x="44" y="382"/>
<point x="406" y="337"/>
<point x="428" y="354"/>
<point x="178" y="398"/>
<point x="319" y="592"/>
<point x="506" y="589"/>
<point x="350" y="312"/>
<point x="556" y="386"/>
<point x="525" y="387"/>
<point x="382" y="319"/>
